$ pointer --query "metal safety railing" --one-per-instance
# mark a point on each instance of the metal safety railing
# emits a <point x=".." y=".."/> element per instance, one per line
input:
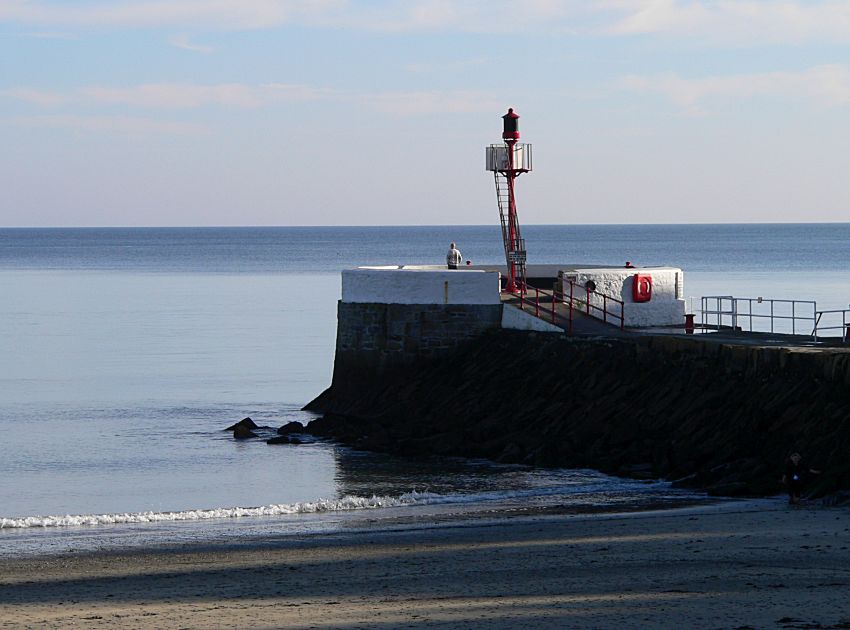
<point x="524" y="292"/>
<point x="830" y="322"/>
<point x="595" y="304"/>
<point x="726" y="312"/>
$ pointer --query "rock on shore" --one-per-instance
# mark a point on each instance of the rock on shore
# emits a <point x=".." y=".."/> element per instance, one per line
<point x="714" y="416"/>
<point x="243" y="429"/>
<point x="244" y="423"/>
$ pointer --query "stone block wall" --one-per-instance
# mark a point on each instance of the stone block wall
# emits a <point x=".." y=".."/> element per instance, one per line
<point x="406" y="332"/>
<point x="373" y="339"/>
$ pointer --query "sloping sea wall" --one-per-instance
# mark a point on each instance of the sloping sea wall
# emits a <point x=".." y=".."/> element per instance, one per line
<point x="713" y="415"/>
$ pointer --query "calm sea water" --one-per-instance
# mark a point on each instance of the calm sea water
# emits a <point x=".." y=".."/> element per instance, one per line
<point x="124" y="352"/>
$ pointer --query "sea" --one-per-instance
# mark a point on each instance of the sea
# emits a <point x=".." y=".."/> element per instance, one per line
<point x="125" y="352"/>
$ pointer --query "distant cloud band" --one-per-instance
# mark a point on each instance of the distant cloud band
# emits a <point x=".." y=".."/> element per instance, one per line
<point x="219" y="14"/>
<point x="826" y="85"/>
<point x="182" y="41"/>
<point x="178" y="96"/>
<point x="714" y="22"/>
<point x="127" y="125"/>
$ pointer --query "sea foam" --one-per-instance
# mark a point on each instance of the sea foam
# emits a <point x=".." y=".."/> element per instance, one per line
<point x="342" y="504"/>
<point x="593" y="491"/>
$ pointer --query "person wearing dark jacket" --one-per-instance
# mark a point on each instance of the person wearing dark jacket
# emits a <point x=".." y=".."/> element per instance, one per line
<point x="795" y="476"/>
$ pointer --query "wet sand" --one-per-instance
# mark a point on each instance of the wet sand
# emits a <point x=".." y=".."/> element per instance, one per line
<point x="761" y="565"/>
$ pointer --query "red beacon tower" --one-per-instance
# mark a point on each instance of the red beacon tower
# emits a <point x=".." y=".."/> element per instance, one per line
<point x="507" y="161"/>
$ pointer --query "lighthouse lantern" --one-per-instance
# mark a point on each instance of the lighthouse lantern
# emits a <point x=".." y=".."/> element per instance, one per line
<point x="510" y="129"/>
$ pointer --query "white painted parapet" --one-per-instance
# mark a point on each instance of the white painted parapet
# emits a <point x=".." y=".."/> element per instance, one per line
<point x="666" y="306"/>
<point x="420" y="284"/>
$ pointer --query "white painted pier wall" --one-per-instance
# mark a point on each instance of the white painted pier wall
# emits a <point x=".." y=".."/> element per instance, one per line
<point x="420" y="284"/>
<point x="666" y="306"/>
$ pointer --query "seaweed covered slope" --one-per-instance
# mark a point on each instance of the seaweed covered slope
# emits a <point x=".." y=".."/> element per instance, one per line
<point x="717" y="416"/>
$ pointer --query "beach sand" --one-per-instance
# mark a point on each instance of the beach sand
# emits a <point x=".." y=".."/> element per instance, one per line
<point x="759" y="565"/>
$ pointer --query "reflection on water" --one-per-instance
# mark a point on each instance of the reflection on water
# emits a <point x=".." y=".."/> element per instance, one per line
<point x="368" y="491"/>
<point x="462" y="481"/>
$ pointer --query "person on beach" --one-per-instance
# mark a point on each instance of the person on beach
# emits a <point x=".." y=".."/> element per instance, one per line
<point x="795" y="476"/>
<point x="453" y="258"/>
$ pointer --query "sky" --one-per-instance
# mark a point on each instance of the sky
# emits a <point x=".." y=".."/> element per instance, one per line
<point x="355" y="112"/>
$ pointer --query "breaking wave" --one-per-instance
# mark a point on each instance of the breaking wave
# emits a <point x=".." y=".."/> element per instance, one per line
<point x="593" y="492"/>
<point x="323" y="505"/>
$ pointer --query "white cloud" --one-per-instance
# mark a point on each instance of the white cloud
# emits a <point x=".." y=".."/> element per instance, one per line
<point x="498" y="16"/>
<point x="430" y="102"/>
<point x="182" y="41"/>
<point x="177" y="96"/>
<point x="826" y="85"/>
<point x="170" y="95"/>
<point x="42" y="98"/>
<point x="475" y="16"/>
<point x="224" y="14"/>
<point x="174" y="95"/>
<point x="127" y="125"/>
<point x="741" y="22"/>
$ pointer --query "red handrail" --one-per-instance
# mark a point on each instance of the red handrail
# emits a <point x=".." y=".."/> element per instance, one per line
<point x="521" y="292"/>
<point x="590" y="309"/>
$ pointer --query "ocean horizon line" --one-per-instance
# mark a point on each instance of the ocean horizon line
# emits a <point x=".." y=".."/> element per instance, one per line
<point x="407" y="225"/>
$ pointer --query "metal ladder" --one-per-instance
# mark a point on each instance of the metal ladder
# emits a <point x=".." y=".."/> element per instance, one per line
<point x="503" y="200"/>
